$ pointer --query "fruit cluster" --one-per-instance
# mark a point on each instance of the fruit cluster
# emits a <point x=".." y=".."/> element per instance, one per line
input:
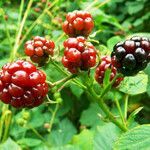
<point x="39" y="49"/>
<point x="78" y="54"/>
<point x="78" y="23"/>
<point x="22" y="84"/>
<point x="106" y="63"/>
<point x="131" y="56"/>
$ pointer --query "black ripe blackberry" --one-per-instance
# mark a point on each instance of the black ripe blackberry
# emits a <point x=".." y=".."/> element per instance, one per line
<point x="131" y="56"/>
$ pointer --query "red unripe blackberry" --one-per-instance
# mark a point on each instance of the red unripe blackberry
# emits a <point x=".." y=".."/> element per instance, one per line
<point x="106" y="63"/>
<point x="22" y="84"/>
<point x="78" y="23"/>
<point x="78" y="54"/>
<point x="131" y="56"/>
<point x="39" y="49"/>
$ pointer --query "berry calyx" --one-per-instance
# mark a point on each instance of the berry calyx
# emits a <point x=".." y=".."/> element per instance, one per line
<point x="78" y="54"/>
<point x="131" y="56"/>
<point x="78" y="23"/>
<point x="39" y="49"/>
<point x="22" y="84"/>
<point x="106" y="63"/>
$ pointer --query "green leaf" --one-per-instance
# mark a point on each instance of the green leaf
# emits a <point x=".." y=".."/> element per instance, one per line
<point x="134" y="7"/>
<point x="30" y="142"/>
<point x="134" y="85"/>
<point x="10" y="144"/>
<point x="84" y="140"/>
<point x="112" y="41"/>
<point x="105" y="137"/>
<point x="63" y="134"/>
<point x="76" y="90"/>
<point x="89" y="117"/>
<point x="106" y="80"/>
<point x="133" y="114"/>
<point x="137" y="138"/>
<point x="66" y="147"/>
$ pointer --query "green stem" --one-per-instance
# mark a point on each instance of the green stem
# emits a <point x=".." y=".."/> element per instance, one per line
<point x="120" y="112"/>
<point x="36" y="21"/>
<point x="16" y="46"/>
<point x="7" y="31"/>
<point x="126" y="106"/>
<point x="7" y="125"/>
<point x="104" y="107"/>
<point x="53" y="117"/>
<point x="38" y="135"/>
<point x="20" y="12"/>
<point x="65" y="73"/>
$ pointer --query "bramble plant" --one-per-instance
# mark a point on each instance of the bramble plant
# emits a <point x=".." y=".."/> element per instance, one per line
<point x="71" y="91"/>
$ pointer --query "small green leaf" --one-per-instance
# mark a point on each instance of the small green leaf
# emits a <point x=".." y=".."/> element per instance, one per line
<point x="133" y="114"/>
<point x="134" y="85"/>
<point x="106" y="80"/>
<point x="30" y="142"/>
<point x="112" y="41"/>
<point x="137" y="138"/>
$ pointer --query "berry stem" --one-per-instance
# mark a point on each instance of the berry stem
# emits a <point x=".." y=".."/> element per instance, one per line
<point x="120" y="112"/>
<point x="107" y="88"/>
<point x="53" y="117"/>
<point x="126" y="106"/>
<point x="16" y="45"/>
<point x="105" y="108"/>
<point x="65" y="73"/>
<point x="8" y="117"/>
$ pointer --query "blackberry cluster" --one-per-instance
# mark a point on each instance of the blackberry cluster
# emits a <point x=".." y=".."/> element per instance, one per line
<point x="78" y="23"/>
<point x="22" y="84"/>
<point x="78" y="54"/>
<point x="39" y="49"/>
<point x="131" y="56"/>
<point x="106" y="63"/>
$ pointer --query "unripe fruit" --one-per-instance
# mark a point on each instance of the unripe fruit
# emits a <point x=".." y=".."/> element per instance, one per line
<point x="106" y="63"/>
<point x="78" y="23"/>
<point x="78" y="54"/>
<point x="22" y="84"/>
<point x="39" y="49"/>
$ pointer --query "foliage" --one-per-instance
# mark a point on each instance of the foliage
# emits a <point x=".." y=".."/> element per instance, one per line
<point x="78" y="123"/>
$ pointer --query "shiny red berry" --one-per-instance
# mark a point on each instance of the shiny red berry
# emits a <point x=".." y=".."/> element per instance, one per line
<point x="106" y="63"/>
<point x="78" y="23"/>
<point x="22" y="84"/>
<point x="39" y="49"/>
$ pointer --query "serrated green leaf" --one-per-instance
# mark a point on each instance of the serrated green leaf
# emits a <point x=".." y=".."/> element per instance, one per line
<point x="89" y="117"/>
<point x="63" y="134"/>
<point x="137" y="138"/>
<point x="134" y="85"/>
<point x="105" y="137"/>
<point x="10" y="144"/>
<point x="84" y="140"/>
